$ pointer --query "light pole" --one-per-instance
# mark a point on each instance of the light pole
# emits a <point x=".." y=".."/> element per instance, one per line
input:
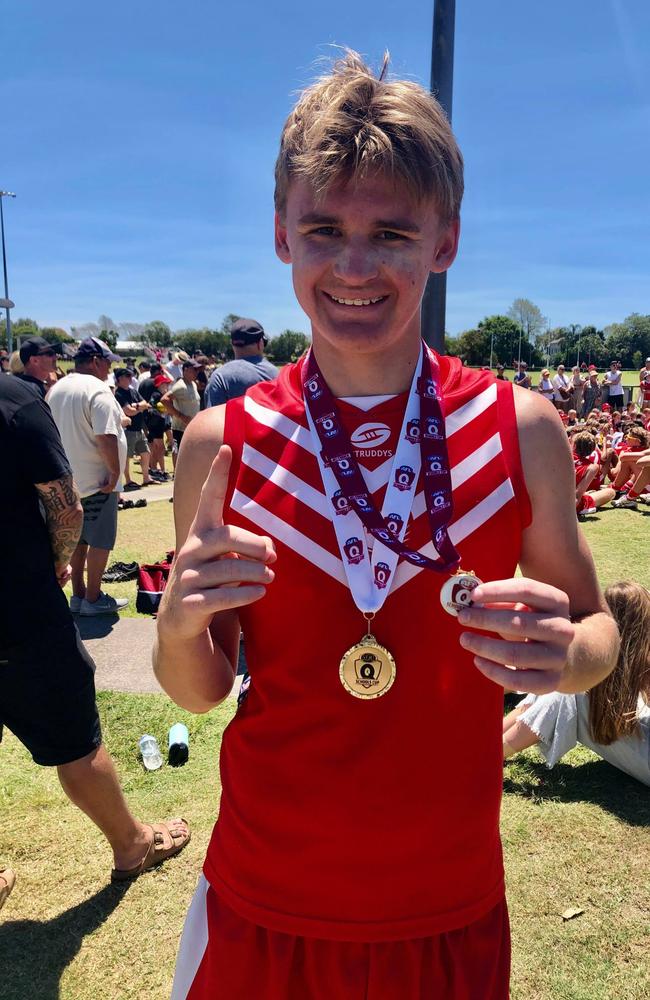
<point x="6" y="194"/>
<point x="442" y="81"/>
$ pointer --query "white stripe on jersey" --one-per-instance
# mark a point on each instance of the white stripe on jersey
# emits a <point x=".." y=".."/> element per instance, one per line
<point x="194" y="941"/>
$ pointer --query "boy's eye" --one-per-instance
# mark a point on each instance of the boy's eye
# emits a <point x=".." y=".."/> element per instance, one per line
<point x="389" y="235"/>
<point x="324" y="231"/>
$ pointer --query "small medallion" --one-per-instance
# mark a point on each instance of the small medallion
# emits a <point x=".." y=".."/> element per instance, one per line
<point x="367" y="670"/>
<point x="456" y="592"/>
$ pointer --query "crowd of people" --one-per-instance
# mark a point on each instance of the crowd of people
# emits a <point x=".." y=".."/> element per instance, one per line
<point x="609" y="435"/>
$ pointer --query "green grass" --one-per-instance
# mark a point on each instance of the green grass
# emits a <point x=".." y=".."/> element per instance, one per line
<point x="576" y="836"/>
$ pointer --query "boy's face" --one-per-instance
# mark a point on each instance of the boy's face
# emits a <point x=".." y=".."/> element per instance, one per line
<point x="361" y="257"/>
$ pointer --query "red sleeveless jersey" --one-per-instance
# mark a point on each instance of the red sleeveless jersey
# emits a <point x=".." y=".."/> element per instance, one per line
<point x="342" y="818"/>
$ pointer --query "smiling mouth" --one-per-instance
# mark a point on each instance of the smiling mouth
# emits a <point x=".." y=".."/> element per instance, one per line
<point x="356" y="302"/>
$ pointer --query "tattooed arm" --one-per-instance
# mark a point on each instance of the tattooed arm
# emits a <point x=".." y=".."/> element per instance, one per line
<point x="64" y="518"/>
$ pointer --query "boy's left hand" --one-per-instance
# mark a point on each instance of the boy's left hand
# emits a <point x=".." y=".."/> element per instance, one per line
<point x="533" y="620"/>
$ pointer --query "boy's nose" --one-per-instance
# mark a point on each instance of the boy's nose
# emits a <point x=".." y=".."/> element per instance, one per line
<point x="356" y="262"/>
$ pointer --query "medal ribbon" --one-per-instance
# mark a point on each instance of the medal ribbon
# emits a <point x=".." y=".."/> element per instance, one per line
<point x="422" y="444"/>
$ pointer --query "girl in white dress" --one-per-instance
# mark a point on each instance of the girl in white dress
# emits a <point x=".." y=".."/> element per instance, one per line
<point x="613" y="719"/>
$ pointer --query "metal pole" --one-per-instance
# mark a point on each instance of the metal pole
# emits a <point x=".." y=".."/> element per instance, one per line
<point x="442" y="80"/>
<point x="8" y="194"/>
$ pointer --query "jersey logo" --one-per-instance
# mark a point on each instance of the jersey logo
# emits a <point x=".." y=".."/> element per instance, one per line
<point x="370" y="435"/>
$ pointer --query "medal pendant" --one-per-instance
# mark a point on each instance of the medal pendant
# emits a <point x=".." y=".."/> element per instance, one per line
<point x="367" y="670"/>
<point x="456" y="592"/>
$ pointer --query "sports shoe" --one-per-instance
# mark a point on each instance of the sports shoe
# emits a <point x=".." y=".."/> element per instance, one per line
<point x="644" y="498"/>
<point x="75" y="605"/>
<point x="131" y="486"/>
<point x="104" y="605"/>
<point x="625" y="501"/>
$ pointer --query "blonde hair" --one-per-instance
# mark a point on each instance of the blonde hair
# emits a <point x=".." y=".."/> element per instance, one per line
<point x="350" y="124"/>
<point x="613" y="702"/>
<point x="16" y="367"/>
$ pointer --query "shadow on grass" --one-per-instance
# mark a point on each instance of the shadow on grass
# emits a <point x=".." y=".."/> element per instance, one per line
<point x="594" y="781"/>
<point x="34" y="954"/>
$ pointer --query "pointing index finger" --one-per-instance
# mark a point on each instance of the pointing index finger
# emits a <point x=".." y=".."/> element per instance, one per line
<point x="209" y="513"/>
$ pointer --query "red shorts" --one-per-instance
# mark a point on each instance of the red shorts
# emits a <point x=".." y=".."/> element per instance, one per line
<point x="585" y="503"/>
<point x="222" y="956"/>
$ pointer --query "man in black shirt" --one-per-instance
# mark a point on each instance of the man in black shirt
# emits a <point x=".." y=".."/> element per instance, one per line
<point x="134" y="407"/>
<point x="47" y="689"/>
<point x="39" y="361"/>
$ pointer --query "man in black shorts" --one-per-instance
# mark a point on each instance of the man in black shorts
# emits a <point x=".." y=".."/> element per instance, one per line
<point x="47" y="688"/>
<point x="134" y="407"/>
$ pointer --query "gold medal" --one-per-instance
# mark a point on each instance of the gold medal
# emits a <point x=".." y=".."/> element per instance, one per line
<point x="367" y="670"/>
<point x="456" y="592"/>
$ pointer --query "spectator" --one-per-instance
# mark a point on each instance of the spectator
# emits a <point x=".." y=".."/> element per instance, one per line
<point x="39" y="362"/>
<point x="572" y="418"/>
<point x="562" y="390"/>
<point x="90" y="423"/>
<point x="613" y="719"/>
<point x="500" y="375"/>
<point x="522" y="378"/>
<point x="577" y="388"/>
<point x="144" y="369"/>
<point x="16" y="366"/>
<point x="175" y="368"/>
<point x="249" y="367"/>
<point x="182" y="402"/>
<point x="592" y="393"/>
<point x="4" y="362"/>
<point x="47" y="690"/>
<point x="152" y="390"/>
<point x="643" y="397"/>
<point x="613" y="381"/>
<point x="134" y="407"/>
<point x="545" y="386"/>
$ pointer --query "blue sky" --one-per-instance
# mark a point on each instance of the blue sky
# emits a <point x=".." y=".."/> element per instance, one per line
<point x="140" y="138"/>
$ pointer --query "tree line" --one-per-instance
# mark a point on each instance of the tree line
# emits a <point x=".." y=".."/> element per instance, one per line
<point x="523" y="332"/>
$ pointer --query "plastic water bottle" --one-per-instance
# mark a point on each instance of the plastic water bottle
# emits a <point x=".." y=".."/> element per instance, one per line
<point x="179" y="744"/>
<point x="151" y="755"/>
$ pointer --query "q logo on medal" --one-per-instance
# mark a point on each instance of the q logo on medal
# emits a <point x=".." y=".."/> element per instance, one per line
<point x="367" y="668"/>
<point x="394" y="523"/>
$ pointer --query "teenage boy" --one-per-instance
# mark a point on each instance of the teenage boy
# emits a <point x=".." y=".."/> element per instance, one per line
<point x="354" y="856"/>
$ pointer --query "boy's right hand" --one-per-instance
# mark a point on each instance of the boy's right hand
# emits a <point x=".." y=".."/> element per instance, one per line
<point x="219" y="567"/>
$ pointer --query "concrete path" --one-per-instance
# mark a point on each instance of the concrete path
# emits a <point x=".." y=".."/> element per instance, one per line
<point x="121" y="649"/>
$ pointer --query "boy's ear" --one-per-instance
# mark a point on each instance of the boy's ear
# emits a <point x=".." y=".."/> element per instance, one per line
<point x="281" y="244"/>
<point x="446" y="247"/>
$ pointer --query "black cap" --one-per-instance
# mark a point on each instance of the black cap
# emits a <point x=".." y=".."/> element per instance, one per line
<point x="246" y="331"/>
<point x="119" y="372"/>
<point x="93" y="347"/>
<point x="33" y="346"/>
<point x="191" y="364"/>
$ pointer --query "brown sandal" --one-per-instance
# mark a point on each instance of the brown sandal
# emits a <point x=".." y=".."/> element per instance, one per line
<point x="168" y="839"/>
<point x="7" y="881"/>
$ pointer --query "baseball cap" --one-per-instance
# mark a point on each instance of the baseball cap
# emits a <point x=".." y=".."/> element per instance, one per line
<point x="119" y="372"/>
<point x="34" y="346"/>
<point x="191" y="364"/>
<point x="500" y="368"/>
<point x="246" y="331"/>
<point x="161" y="380"/>
<point x="93" y="347"/>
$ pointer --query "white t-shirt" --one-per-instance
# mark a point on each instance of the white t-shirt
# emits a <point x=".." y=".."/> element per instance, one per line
<point x="187" y="401"/>
<point x="613" y="380"/>
<point x="83" y="407"/>
<point x="560" y="380"/>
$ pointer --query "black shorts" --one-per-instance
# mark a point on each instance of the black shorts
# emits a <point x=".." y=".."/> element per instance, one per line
<point x="47" y="698"/>
<point x="178" y="437"/>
